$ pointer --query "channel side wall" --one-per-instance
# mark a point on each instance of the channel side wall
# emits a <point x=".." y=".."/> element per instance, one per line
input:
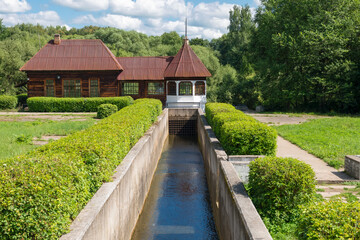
<point x="235" y="215"/>
<point x="352" y="166"/>
<point x="113" y="211"/>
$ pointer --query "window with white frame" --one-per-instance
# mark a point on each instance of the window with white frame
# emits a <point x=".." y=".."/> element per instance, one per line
<point x="185" y="88"/>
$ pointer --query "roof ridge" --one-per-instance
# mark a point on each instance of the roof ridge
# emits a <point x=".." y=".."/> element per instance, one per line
<point x="191" y="59"/>
<point x="147" y="57"/>
<point x="84" y="39"/>
<point x="181" y="56"/>
<point x="112" y="55"/>
<point x="186" y="64"/>
<point x="200" y="62"/>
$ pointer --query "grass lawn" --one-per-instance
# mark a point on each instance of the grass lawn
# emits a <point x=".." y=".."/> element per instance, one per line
<point x="16" y="136"/>
<point x="328" y="138"/>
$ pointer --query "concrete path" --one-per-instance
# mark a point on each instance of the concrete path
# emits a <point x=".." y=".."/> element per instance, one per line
<point x="46" y="113"/>
<point x="324" y="173"/>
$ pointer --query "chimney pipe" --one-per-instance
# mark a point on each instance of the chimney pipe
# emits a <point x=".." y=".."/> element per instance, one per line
<point x="57" y="39"/>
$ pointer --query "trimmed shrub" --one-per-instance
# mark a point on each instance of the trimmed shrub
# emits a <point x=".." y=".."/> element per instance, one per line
<point x="53" y="104"/>
<point x="330" y="220"/>
<point x="211" y="109"/>
<point x="105" y="110"/>
<point x="153" y="103"/>
<point x="22" y="99"/>
<point x="42" y="191"/>
<point x="277" y="186"/>
<point x="220" y="118"/>
<point x="248" y="138"/>
<point x="8" y="102"/>
<point x="239" y="133"/>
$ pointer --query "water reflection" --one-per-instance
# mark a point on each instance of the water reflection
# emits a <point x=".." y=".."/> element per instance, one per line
<point x="178" y="204"/>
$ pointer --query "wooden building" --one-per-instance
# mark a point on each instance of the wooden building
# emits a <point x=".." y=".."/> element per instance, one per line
<point x="87" y="68"/>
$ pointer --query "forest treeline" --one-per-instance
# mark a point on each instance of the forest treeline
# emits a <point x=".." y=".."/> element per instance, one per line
<point x="292" y="55"/>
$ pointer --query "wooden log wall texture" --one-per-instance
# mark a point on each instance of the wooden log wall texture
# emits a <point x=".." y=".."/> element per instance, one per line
<point x="108" y="83"/>
<point x="109" y="86"/>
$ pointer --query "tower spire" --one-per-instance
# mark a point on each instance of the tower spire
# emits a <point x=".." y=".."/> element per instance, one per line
<point x="186" y="28"/>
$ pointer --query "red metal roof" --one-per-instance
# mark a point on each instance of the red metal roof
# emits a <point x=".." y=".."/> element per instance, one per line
<point x="73" y="55"/>
<point x="143" y="68"/>
<point x="186" y="64"/>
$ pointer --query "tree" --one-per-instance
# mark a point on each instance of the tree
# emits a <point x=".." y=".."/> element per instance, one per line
<point x="222" y="87"/>
<point x="200" y="42"/>
<point x="208" y="57"/>
<point x="2" y="30"/>
<point x="303" y="54"/>
<point x="234" y="46"/>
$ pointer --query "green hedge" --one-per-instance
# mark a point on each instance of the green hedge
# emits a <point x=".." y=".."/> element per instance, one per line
<point x="52" y="104"/>
<point x="105" y="110"/>
<point x="211" y="109"/>
<point x="330" y="220"/>
<point x="42" y="191"/>
<point x="8" y="102"/>
<point x="278" y="186"/>
<point x="220" y="118"/>
<point x="248" y="138"/>
<point x="239" y="133"/>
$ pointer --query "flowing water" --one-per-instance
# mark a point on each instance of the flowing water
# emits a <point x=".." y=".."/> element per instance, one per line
<point x="178" y="205"/>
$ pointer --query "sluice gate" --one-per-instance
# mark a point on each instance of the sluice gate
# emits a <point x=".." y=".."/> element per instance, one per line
<point x="183" y="122"/>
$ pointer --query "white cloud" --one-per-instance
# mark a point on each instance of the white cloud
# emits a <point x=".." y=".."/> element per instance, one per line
<point x="112" y="20"/>
<point x="253" y="12"/>
<point x="206" y="20"/>
<point x="154" y="22"/>
<point x="211" y="15"/>
<point x="214" y="9"/>
<point x="66" y="26"/>
<point x="152" y="9"/>
<point x="84" y="5"/>
<point x="13" y="6"/>
<point x="257" y="2"/>
<point x="45" y="18"/>
<point x="201" y="32"/>
<point x="158" y="27"/>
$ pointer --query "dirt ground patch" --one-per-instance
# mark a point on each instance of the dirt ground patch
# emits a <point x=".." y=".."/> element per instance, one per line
<point x="282" y="119"/>
<point x="26" y="117"/>
<point x="45" y="139"/>
<point x="346" y="192"/>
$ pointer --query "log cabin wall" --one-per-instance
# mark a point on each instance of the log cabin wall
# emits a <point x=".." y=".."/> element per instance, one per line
<point x="108" y="83"/>
<point x="36" y="87"/>
<point x="143" y="90"/>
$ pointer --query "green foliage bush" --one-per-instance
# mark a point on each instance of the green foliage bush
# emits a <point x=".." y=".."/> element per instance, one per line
<point x="157" y="108"/>
<point x="246" y="137"/>
<point x="42" y="191"/>
<point x="330" y="220"/>
<point x="278" y="186"/>
<point x="223" y="117"/>
<point x="105" y="110"/>
<point x="211" y="109"/>
<point x="239" y="133"/>
<point x="22" y="98"/>
<point x="8" y="102"/>
<point x="53" y="104"/>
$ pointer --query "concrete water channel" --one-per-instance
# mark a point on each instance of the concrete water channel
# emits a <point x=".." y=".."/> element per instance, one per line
<point x="178" y="205"/>
<point x="172" y="187"/>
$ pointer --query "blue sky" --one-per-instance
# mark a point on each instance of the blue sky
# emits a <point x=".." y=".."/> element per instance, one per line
<point x="206" y="19"/>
